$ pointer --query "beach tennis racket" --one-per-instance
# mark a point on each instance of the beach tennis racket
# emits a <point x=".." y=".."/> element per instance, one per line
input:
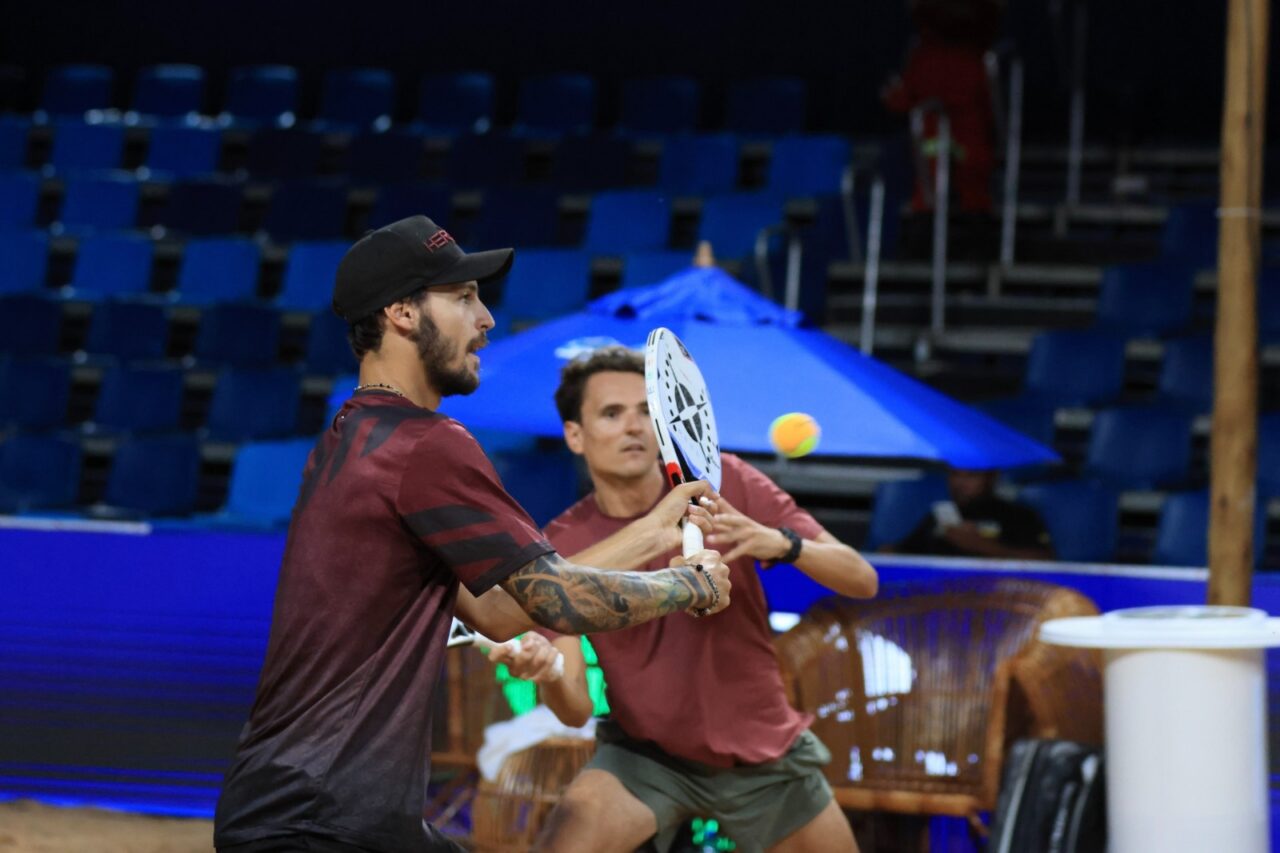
<point x="682" y="419"/>
<point x="462" y="635"/>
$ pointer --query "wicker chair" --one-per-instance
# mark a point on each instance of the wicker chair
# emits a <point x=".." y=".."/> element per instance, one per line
<point x="918" y="692"/>
<point x="507" y="813"/>
<point x="470" y="700"/>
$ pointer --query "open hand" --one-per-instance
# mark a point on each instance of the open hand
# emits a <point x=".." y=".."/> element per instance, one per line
<point x="736" y="536"/>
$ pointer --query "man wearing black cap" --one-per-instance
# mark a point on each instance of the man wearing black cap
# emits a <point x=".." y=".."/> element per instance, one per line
<point x="400" y="519"/>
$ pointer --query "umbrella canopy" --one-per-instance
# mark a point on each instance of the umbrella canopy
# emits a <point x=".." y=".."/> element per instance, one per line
<point x="758" y="364"/>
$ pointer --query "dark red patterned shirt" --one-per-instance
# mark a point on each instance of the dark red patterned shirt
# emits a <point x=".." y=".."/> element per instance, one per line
<point x="398" y="505"/>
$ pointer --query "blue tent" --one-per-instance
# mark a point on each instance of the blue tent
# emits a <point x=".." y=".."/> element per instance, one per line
<point x="758" y="364"/>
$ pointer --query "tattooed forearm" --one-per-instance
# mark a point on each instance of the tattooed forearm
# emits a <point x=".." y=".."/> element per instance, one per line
<point x="574" y="599"/>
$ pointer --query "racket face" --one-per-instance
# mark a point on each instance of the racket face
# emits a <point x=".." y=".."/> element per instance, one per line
<point x="681" y="410"/>
<point x="460" y="634"/>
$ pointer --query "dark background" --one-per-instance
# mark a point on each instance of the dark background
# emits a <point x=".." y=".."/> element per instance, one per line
<point x="1155" y="66"/>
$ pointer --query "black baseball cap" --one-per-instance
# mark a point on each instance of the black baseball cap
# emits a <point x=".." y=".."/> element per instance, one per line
<point x="386" y="265"/>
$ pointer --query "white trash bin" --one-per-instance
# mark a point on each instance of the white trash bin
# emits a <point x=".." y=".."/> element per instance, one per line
<point x="1186" y="725"/>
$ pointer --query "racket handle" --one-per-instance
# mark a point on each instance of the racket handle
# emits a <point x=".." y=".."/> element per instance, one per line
<point x="557" y="668"/>
<point x="692" y="538"/>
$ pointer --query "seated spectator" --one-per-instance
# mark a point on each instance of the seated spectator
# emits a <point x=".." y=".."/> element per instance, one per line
<point x="978" y="523"/>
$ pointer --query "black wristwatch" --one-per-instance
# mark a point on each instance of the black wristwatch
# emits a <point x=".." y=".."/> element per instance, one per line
<point x="796" y="544"/>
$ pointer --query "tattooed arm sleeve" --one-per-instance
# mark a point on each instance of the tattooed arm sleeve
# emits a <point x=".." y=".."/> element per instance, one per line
<point x="575" y="599"/>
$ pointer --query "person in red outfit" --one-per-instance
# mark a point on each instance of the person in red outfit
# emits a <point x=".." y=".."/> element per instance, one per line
<point x="946" y="65"/>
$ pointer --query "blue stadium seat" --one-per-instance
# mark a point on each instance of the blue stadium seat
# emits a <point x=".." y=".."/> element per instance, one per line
<point x="456" y="103"/>
<point x="112" y="265"/>
<point x="203" y="207"/>
<point x="169" y="91"/>
<point x="516" y="216"/>
<point x="34" y="392"/>
<point x="30" y="324"/>
<point x="705" y="164"/>
<point x="265" y="480"/>
<point x="1074" y="368"/>
<point x="79" y="146"/>
<point x="38" y="472"/>
<point x="1146" y="299"/>
<point x="1138" y="447"/>
<point x="1032" y="417"/>
<point x="104" y="202"/>
<point x="238" y="334"/>
<point x="250" y="404"/>
<point x="73" y="90"/>
<point x="653" y="266"/>
<point x="491" y="160"/>
<point x="1269" y="457"/>
<point x="138" y="399"/>
<point x="218" y="269"/>
<point x="547" y="283"/>
<point x="587" y="162"/>
<point x="308" y="275"/>
<point x="1190" y="235"/>
<point x="14" y="131"/>
<point x="284" y="153"/>
<point x="399" y="201"/>
<point x="543" y="482"/>
<point x="262" y="94"/>
<point x="19" y="200"/>
<point x="1182" y="536"/>
<point x="128" y="330"/>
<point x="383" y="158"/>
<point x="328" y="351"/>
<point x="628" y="220"/>
<point x="1082" y="517"/>
<point x="154" y="476"/>
<point x="357" y="98"/>
<point x="659" y="105"/>
<point x="307" y="210"/>
<point x="176" y="151"/>
<point x="732" y="222"/>
<point x="558" y="103"/>
<point x="1186" y="374"/>
<point x="898" y="507"/>
<point x="767" y="106"/>
<point x="24" y="261"/>
<point x="809" y="165"/>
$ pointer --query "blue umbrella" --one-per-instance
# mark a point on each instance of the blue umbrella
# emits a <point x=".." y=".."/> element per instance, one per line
<point x="758" y="364"/>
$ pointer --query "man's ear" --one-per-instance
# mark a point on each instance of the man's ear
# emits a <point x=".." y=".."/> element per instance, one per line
<point x="402" y="315"/>
<point x="573" y="436"/>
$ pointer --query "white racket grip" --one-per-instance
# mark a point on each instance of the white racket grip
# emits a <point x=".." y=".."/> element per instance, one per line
<point x="557" y="668"/>
<point x="692" y="538"/>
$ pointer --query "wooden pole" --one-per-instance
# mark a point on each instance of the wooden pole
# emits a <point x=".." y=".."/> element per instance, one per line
<point x="1234" y="441"/>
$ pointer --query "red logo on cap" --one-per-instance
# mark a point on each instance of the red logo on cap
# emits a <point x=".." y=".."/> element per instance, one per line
<point x="438" y="240"/>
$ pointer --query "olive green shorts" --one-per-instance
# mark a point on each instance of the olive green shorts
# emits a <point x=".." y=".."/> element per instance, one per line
<point x="756" y="805"/>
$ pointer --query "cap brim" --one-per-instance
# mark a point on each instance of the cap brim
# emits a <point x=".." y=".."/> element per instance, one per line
<point x="477" y="266"/>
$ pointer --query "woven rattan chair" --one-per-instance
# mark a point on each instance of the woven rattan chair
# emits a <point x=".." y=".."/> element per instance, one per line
<point x="507" y="813"/>
<point x="918" y="692"/>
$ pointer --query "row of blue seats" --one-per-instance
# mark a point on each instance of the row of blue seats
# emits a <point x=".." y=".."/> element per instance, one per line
<point x="450" y="102"/>
<point x="246" y="403"/>
<point x="687" y="163"/>
<point x="1083" y="515"/>
<point x="618" y="221"/>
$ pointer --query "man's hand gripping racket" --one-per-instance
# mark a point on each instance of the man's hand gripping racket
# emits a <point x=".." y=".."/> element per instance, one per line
<point x="461" y="635"/>
<point x="685" y="426"/>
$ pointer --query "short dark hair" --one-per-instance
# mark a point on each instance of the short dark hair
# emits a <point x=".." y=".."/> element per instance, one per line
<point x="574" y="376"/>
<point x="365" y="334"/>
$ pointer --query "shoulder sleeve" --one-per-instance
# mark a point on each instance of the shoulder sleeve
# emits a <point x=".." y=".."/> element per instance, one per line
<point x="450" y="496"/>
<point x="760" y="499"/>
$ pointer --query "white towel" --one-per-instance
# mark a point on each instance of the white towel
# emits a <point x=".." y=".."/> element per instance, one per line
<point x="511" y="736"/>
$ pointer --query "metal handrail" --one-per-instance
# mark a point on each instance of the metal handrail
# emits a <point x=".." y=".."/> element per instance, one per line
<point x="1012" y="164"/>
<point x="871" y="270"/>
<point x="941" y="192"/>
<point x="791" y="293"/>
<point x="1075" y="142"/>
<point x="852" y="235"/>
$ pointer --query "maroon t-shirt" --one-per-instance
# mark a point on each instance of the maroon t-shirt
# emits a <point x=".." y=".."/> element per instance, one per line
<point x="705" y="689"/>
<point x="398" y="505"/>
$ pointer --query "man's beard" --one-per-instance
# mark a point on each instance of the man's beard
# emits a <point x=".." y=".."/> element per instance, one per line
<point x="437" y="352"/>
